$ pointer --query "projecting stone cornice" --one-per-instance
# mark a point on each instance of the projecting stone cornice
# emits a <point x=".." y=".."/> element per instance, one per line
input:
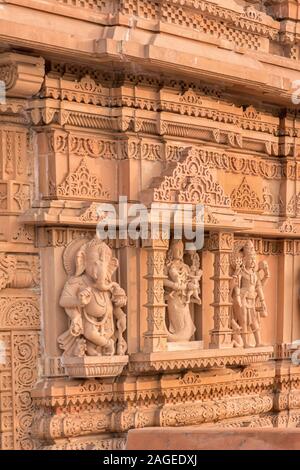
<point x="22" y="75"/>
<point x="177" y="360"/>
<point x="272" y="80"/>
<point x="237" y="56"/>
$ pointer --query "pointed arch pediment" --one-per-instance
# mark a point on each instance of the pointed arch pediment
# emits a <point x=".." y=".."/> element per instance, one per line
<point x="187" y="182"/>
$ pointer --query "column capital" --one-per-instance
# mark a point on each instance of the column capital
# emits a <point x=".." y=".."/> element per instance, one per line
<point x="22" y="75"/>
<point x="156" y="244"/>
<point x="221" y="241"/>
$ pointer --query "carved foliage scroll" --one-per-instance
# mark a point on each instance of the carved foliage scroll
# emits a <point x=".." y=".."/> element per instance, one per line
<point x="19" y="340"/>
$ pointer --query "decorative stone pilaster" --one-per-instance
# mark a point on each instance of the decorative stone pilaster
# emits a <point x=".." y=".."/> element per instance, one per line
<point x="155" y="338"/>
<point x="221" y="243"/>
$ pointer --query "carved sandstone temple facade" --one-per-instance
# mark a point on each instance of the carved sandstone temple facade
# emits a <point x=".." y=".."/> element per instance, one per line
<point x="166" y="101"/>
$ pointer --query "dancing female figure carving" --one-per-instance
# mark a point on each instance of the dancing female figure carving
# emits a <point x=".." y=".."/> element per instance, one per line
<point x="182" y="287"/>
<point x="93" y="302"/>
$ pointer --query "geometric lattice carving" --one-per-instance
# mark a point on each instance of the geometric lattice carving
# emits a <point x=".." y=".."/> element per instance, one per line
<point x="188" y="182"/>
<point x="96" y="5"/>
<point x="245" y="199"/>
<point x="81" y="184"/>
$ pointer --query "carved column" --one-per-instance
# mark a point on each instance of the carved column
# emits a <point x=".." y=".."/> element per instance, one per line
<point x="155" y="338"/>
<point x="222" y="245"/>
<point x="128" y="253"/>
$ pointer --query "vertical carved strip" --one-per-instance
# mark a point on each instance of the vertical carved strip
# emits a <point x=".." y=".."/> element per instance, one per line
<point x="9" y="165"/>
<point x="222" y="245"/>
<point x="19" y="348"/>
<point x="24" y="372"/>
<point x="6" y="394"/>
<point x="156" y="335"/>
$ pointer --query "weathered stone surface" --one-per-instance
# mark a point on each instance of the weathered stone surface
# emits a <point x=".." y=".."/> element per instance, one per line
<point x="197" y="439"/>
<point x="165" y="102"/>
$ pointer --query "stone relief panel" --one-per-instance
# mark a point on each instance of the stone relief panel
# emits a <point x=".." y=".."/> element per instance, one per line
<point x="248" y="299"/>
<point x="93" y="303"/>
<point x="19" y="335"/>
<point x="182" y="286"/>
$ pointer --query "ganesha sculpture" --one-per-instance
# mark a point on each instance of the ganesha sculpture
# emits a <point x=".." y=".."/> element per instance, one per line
<point x="93" y="302"/>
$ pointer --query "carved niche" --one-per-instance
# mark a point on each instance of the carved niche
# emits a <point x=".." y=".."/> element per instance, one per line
<point x="93" y="344"/>
<point x="182" y="288"/>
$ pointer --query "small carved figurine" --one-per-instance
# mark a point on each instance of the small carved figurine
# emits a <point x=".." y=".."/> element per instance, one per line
<point x="194" y="280"/>
<point x="182" y="284"/>
<point x="249" y="304"/>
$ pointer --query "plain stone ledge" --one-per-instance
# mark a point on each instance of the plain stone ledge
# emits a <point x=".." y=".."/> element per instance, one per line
<point x="193" y="438"/>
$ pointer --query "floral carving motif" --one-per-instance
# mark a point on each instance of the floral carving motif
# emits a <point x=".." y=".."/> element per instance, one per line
<point x="252" y="114"/>
<point x="81" y="184"/>
<point x="244" y="198"/>
<point x="22" y="196"/>
<point x="152" y="152"/>
<point x="190" y="182"/>
<point x="93" y="147"/>
<point x="198" y="413"/>
<point x="23" y="235"/>
<point x="25" y="353"/>
<point x="8" y="264"/>
<point x="287" y="227"/>
<point x="17" y="313"/>
<point x="190" y="97"/>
